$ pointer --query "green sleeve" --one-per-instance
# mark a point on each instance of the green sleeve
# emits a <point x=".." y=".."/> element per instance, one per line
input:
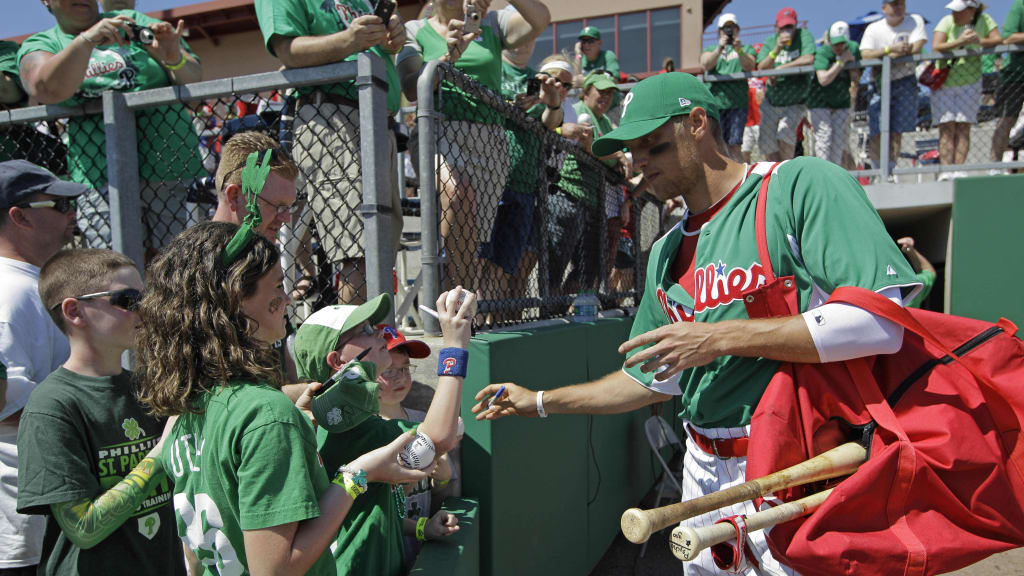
<point x="807" y="45"/>
<point x="611" y="64"/>
<point x="281" y="18"/>
<point x="53" y="462"/>
<point x="927" y="279"/>
<point x="822" y="58"/>
<point x="42" y="42"/>
<point x="275" y="475"/>
<point x="1015" y="19"/>
<point x="768" y="46"/>
<point x="855" y="48"/>
<point x="987" y="25"/>
<point x="649" y="314"/>
<point x="9" y="57"/>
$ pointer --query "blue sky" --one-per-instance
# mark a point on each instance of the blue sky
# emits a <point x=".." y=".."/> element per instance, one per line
<point x="33" y="17"/>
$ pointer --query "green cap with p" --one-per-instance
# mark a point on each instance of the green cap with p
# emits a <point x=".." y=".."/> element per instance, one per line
<point x="653" y="102"/>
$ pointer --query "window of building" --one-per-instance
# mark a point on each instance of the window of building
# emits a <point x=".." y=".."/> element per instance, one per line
<point x="567" y="34"/>
<point x="633" y="36"/>
<point x="665" y="40"/>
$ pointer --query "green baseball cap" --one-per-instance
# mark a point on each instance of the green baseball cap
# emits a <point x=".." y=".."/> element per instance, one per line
<point x="598" y="80"/>
<point x="348" y="398"/>
<point x="318" y="335"/>
<point x="651" y="103"/>
<point x="590" y="32"/>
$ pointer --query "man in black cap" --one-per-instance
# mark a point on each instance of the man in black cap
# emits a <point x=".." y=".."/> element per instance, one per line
<point x="37" y="218"/>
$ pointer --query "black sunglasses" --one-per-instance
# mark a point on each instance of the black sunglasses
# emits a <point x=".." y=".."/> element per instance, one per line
<point x="62" y="205"/>
<point x="125" y="299"/>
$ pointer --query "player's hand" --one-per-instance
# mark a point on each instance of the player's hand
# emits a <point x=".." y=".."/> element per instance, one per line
<point x="381" y="465"/>
<point x="305" y="401"/>
<point x="395" y="39"/>
<point x="675" y="346"/>
<point x="456" y="40"/>
<point x="109" y="31"/>
<point x="367" y="31"/>
<point x="456" y="321"/>
<point x="515" y="401"/>
<point x="441" y="525"/>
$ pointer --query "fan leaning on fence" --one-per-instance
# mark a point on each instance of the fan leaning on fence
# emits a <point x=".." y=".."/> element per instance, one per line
<point x="88" y="53"/>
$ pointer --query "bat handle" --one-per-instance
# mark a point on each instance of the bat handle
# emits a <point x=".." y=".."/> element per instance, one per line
<point x="687" y="543"/>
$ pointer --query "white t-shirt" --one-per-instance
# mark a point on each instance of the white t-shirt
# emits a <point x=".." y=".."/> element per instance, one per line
<point x="880" y="34"/>
<point x="31" y="346"/>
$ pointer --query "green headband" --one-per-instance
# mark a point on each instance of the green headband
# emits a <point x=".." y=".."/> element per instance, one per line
<point x="253" y="178"/>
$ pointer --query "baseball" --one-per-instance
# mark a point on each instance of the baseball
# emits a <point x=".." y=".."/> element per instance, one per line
<point x="418" y="454"/>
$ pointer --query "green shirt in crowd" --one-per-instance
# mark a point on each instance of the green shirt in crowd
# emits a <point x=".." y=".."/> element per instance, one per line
<point x="731" y="94"/>
<point x="1013" y="71"/>
<point x="9" y="66"/>
<point x="246" y="460"/>
<point x="606" y="60"/>
<point x="168" y="146"/>
<point x="370" y="541"/>
<point x="294" y="18"/>
<point x="78" y="437"/>
<point x="523" y="145"/>
<point x="581" y="183"/>
<point x="965" y="70"/>
<point x="837" y="94"/>
<point x="927" y="280"/>
<point x="481" y="61"/>
<point x="821" y="229"/>
<point x="788" y="90"/>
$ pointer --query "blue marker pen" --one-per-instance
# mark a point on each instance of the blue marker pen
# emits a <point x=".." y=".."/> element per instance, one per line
<point x="496" y="396"/>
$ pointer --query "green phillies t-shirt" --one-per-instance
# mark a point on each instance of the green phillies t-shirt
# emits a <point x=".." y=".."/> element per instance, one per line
<point x="259" y="470"/>
<point x="481" y="61"/>
<point x="582" y="183"/>
<point x="78" y="437"/>
<point x="370" y="541"/>
<point x="9" y="65"/>
<point x="837" y="94"/>
<point x="168" y="147"/>
<point x="730" y="94"/>
<point x="967" y="70"/>
<point x="513" y="80"/>
<point x="606" y="60"/>
<point x="821" y="229"/>
<point x="523" y="145"/>
<point x="1013" y="71"/>
<point x="294" y="18"/>
<point x="788" y="90"/>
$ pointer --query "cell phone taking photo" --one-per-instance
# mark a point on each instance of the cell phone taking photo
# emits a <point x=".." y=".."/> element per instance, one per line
<point x="533" y="87"/>
<point x="472" y="24"/>
<point x="383" y="10"/>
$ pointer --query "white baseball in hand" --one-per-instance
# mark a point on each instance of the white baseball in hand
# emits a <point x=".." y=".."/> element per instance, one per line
<point x="418" y="454"/>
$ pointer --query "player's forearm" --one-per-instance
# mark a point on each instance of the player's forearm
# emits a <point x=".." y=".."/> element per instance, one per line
<point x="304" y="51"/>
<point x="88" y="522"/>
<point x="441" y="421"/>
<point x="783" y="339"/>
<point x="613" y="394"/>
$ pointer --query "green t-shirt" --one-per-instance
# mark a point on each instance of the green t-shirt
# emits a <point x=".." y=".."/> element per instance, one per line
<point x="821" y="229"/>
<point x="168" y="147"/>
<point x="370" y="541"/>
<point x="513" y="80"/>
<point x="788" y="90"/>
<point x="1013" y="71"/>
<point x="606" y="60"/>
<point x="837" y="94"/>
<point x="260" y="470"/>
<point x="9" y="65"/>
<point x="584" y="184"/>
<point x="966" y="70"/>
<point x="481" y="61"/>
<point x="78" y="437"/>
<point x="524" y="147"/>
<point x="294" y="18"/>
<point x="731" y="94"/>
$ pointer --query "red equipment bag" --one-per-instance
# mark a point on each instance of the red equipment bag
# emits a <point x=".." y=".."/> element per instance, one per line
<point x="943" y="486"/>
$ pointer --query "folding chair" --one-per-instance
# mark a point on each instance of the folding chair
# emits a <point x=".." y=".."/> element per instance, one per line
<point x="660" y="435"/>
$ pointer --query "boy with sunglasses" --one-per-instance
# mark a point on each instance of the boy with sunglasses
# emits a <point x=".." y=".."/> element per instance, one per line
<point x="88" y="458"/>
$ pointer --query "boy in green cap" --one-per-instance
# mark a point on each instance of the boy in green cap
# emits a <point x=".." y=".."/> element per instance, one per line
<point x="344" y="338"/>
<point x="693" y="336"/>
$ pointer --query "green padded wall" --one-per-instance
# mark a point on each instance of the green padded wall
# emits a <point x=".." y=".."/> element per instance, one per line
<point x="987" y="265"/>
<point x="459" y="554"/>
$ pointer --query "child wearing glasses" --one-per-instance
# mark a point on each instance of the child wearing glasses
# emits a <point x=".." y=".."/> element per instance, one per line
<point x="87" y="447"/>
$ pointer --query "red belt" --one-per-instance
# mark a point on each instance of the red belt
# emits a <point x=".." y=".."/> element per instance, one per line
<point x="721" y="447"/>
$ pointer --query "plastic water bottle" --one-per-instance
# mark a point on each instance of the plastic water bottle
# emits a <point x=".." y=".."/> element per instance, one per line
<point x="585" y="307"/>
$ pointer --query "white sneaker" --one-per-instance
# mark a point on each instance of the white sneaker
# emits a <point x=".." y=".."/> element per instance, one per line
<point x="997" y="172"/>
<point x="944" y="176"/>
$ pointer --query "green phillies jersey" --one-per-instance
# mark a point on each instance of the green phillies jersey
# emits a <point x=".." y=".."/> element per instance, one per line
<point x="370" y="541"/>
<point x="259" y="470"/>
<point x="730" y="94"/>
<point x="9" y="66"/>
<point x="168" y="146"/>
<point x="837" y="94"/>
<point x="1013" y="71"/>
<point x="481" y="61"/>
<point x="965" y="71"/>
<point x="605" y="60"/>
<point x="821" y="229"/>
<point x="294" y="18"/>
<point x="78" y="437"/>
<point x="584" y="184"/>
<point x="788" y="90"/>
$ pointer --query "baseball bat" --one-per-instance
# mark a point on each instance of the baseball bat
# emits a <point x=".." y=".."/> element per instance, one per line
<point x="638" y="525"/>
<point x="687" y="542"/>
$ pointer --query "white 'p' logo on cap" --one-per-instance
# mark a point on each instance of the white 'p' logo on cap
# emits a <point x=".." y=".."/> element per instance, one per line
<point x="625" y="103"/>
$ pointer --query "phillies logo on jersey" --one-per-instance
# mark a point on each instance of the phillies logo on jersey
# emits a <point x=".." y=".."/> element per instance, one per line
<point x="449" y="363"/>
<point x="714" y="286"/>
<point x="675" y="311"/>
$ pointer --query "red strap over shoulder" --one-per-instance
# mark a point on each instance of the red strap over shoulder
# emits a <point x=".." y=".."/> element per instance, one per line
<point x="761" y="226"/>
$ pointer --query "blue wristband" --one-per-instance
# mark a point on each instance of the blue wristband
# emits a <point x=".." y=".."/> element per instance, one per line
<point x="452" y="362"/>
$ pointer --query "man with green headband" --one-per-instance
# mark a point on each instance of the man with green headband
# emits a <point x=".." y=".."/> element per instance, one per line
<point x="692" y="336"/>
<point x="344" y="341"/>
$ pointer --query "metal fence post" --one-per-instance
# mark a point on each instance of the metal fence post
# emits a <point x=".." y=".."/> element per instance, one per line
<point x="426" y="120"/>
<point x="376" y="175"/>
<point x="123" y="178"/>
<point x="883" y="123"/>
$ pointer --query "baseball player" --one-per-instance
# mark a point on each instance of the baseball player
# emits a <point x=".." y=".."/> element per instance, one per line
<point x="692" y="336"/>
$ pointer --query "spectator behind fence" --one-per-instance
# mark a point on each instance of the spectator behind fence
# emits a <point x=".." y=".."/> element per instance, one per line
<point x="955" y="104"/>
<point x="12" y="94"/>
<point x="727" y="57"/>
<point x="785" y="100"/>
<point x="924" y="270"/>
<point x="751" y="132"/>
<point x="591" y="57"/>
<point x="88" y="456"/>
<point x="472" y="148"/>
<point x="895" y="35"/>
<point x="830" y="94"/>
<point x="1010" y="94"/>
<point x="37" y="216"/>
<point x="305" y="33"/>
<point x="88" y="53"/>
<point x="240" y="451"/>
